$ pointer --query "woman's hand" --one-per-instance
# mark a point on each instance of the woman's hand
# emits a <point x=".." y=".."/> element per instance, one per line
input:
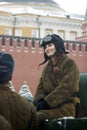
<point x="42" y="105"/>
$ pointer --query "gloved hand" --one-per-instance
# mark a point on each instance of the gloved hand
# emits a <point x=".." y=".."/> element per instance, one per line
<point x="42" y="105"/>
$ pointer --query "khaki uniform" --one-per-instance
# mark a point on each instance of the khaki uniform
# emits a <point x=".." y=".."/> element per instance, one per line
<point x="16" y="109"/>
<point x="59" y="86"/>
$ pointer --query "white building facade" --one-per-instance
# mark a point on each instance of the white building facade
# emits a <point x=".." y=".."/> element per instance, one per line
<point x="37" y="20"/>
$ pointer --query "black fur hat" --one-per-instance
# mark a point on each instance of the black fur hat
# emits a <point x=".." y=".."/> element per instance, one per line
<point x="6" y="66"/>
<point x="57" y="41"/>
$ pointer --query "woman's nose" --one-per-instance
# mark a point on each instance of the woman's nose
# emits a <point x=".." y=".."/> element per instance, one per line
<point x="47" y="47"/>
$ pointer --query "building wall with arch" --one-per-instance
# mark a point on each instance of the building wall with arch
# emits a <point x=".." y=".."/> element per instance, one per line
<point x="37" y="26"/>
<point x="28" y="54"/>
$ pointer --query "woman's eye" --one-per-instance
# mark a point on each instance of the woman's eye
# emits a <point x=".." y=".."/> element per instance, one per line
<point x="50" y="44"/>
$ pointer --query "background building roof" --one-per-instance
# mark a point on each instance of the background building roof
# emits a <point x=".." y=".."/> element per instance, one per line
<point x="46" y="2"/>
<point x="37" y="7"/>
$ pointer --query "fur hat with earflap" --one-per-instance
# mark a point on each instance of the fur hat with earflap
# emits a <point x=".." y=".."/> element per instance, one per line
<point x="6" y="66"/>
<point x="57" y="41"/>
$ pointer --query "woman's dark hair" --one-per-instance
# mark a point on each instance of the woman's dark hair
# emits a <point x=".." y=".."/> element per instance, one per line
<point x="46" y="58"/>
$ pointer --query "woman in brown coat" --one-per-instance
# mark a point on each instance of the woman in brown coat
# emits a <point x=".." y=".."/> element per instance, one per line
<point x="56" y="94"/>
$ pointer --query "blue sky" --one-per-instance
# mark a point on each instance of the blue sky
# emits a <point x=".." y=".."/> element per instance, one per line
<point x="73" y="6"/>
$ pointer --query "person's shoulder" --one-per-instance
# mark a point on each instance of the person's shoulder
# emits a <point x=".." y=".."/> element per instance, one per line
<point x="4" y="124"/>
<point x="71" y="62"/>
<point x="19" y="98"/>
<point x="68" y="59"/>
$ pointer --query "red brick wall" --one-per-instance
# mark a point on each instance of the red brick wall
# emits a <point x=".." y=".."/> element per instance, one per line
<point x="27" y="60"/>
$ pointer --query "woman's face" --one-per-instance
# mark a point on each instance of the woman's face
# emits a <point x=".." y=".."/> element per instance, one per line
<point x="50" y="49"/>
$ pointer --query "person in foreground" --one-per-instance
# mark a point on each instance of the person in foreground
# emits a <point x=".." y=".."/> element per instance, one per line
<point x="14" y="108"/>
<point x="56" y="95"/>
<point x="4" y="124"/>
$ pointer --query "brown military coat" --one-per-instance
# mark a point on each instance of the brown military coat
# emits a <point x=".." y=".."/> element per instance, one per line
<point x="59" y="86"/>
<point x="16" y="109"/>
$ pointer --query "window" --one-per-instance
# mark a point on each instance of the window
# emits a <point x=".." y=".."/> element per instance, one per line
<point x="61" y="33"/>
<point x="72" y="36"/>
<point x="48" y="31"/>
<point x="8" y="31"/>
<point x="18" y="32"/>
<point x="35" y="33"/>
